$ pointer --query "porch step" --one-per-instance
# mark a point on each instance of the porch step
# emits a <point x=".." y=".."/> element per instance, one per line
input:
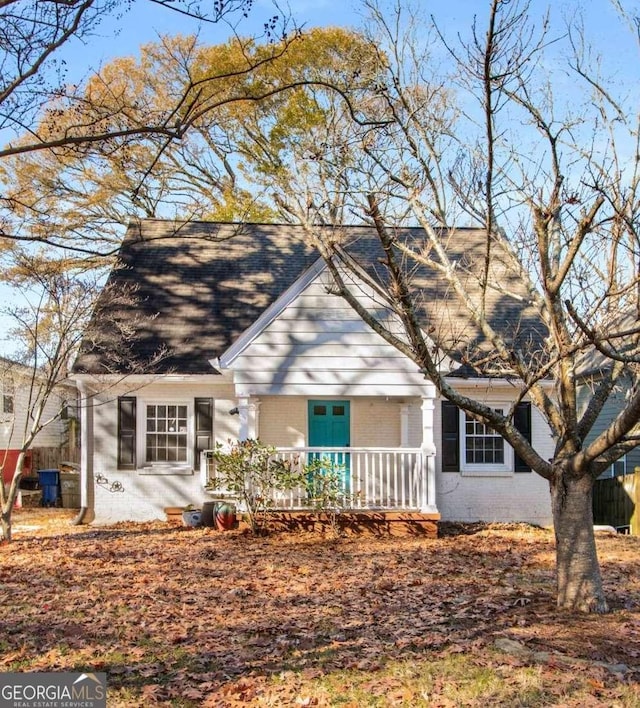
<point x="368" y="523"/>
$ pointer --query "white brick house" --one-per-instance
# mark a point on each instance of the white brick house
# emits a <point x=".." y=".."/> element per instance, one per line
<point x="238" y="336"/>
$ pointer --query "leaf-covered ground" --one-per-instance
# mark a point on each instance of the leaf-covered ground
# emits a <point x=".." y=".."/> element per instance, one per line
<point x="196" y="617"/>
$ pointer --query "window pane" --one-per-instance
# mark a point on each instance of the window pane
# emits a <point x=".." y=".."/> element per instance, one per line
<point x="319" y="410"/>
<point x="338" y="410"/>
<point x="166" y="433"/>
<point x="7" y="403"/>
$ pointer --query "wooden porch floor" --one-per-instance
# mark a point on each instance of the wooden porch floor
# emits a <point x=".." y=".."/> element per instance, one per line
<point x="368" y="523"/>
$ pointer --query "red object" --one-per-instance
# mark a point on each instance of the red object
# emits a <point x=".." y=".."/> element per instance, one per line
<point x="10" y="458"/>
<point x="225" y="517"/>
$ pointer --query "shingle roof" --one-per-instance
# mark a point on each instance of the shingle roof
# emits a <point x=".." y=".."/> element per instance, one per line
<point x="195" y="287"/>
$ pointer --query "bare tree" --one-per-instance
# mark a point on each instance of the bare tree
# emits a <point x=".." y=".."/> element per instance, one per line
<point x="553" y="181"/>
<point x="59" y="301"/>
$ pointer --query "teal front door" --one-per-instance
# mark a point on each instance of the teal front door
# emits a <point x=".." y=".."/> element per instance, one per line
<point x="330" y="426"/>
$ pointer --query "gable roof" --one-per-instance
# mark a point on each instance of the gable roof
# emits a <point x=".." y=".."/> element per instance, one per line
<point x="195" y="287"/>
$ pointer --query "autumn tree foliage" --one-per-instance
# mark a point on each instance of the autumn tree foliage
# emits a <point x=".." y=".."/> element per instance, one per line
<point x="248" y="104"/>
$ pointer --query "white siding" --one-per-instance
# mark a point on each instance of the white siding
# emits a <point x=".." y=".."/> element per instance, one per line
<point x="12" y="427"/>
<point x="318" y="346"/>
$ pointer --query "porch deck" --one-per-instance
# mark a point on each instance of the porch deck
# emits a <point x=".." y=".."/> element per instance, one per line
<point x="359" y="523"/>
<point x="372" y="480"/>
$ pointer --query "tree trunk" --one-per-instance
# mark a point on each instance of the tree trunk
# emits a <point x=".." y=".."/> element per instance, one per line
<point x="5" y="526"/>
<point x="578" y="570"/>
<point x="9" y="497"/>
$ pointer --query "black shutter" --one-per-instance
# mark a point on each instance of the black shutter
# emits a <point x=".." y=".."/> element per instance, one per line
<point x="204" y="427"/>
<point x="450" y="437"/>
<point x="522" y="421"/>
<point x="127" y="433"/>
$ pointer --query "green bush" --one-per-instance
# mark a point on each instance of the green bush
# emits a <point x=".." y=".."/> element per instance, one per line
<point x="252" y="473"/>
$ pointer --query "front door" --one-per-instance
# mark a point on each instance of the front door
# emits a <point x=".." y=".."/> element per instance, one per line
<point x="330" y="426"/>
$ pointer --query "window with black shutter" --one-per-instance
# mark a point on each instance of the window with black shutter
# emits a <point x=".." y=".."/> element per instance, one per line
<point x="522" y="422"/>
<point x="450" y="437"/>
<point x="127" y="433"/>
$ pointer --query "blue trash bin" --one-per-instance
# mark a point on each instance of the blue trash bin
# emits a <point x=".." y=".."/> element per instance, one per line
<point x="49" y="481"/>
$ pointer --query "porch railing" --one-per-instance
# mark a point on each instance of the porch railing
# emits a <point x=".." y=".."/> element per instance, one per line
<point x="370" y="478"/>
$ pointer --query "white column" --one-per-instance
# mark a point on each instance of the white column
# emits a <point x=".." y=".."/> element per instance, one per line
<point x="429" y="450"/>
<point x="249" y="412"/>
<point x="428" y="408"/>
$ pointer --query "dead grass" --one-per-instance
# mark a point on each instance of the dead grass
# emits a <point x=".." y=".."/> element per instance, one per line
<point x="193" y="617"/>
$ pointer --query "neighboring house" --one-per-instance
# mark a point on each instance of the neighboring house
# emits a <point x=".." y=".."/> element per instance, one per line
<point x="18" y="389"/>
<point x="235" y="333"/>
<point x="614" y="405"/>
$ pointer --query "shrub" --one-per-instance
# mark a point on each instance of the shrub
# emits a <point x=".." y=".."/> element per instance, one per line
<point x="250" y="472"/>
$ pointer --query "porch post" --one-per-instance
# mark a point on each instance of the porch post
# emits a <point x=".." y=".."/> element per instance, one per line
<point x="249" y="412"/>
<point x="429" y="450"/>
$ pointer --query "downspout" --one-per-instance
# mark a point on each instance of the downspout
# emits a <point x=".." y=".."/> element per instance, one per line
<point x="86" y="419"/>
<point x="79" y="519"/>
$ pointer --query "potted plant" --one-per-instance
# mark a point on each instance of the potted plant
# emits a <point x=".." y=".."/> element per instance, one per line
<point x="191" y="516"/>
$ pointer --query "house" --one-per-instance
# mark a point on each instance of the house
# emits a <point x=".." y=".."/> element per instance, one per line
<point x="232" y="331"/>
<point x="19" y="390"/>
<point x="591" y="369"/>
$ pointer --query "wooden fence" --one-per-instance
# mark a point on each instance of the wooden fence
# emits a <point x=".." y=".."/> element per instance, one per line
<point x="616" y="502"/>
<point x="50" y="458"/>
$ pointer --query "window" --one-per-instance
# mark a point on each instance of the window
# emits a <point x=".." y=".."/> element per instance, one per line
<point x="7" y="403"/>
<point x="483" y="446"/>
<point x="469" y="446"/>
<point x="7" y="396"/>
<point x="617" y="469"/>
<point x="166" y="433"/>
<point x="164" y="437"/>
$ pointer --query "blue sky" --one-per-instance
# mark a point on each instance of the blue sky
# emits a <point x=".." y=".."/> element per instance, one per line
<point x="122" y="36"/>
<point x="146" y="20"/>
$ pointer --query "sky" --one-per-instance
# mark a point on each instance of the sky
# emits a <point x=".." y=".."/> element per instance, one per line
<point x="146" y="21"/>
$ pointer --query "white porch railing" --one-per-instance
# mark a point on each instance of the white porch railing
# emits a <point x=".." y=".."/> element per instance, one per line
<point x="371" y="478"/>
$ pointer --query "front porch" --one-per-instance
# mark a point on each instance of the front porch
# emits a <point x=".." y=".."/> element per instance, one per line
<point x="367" y="480"/>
